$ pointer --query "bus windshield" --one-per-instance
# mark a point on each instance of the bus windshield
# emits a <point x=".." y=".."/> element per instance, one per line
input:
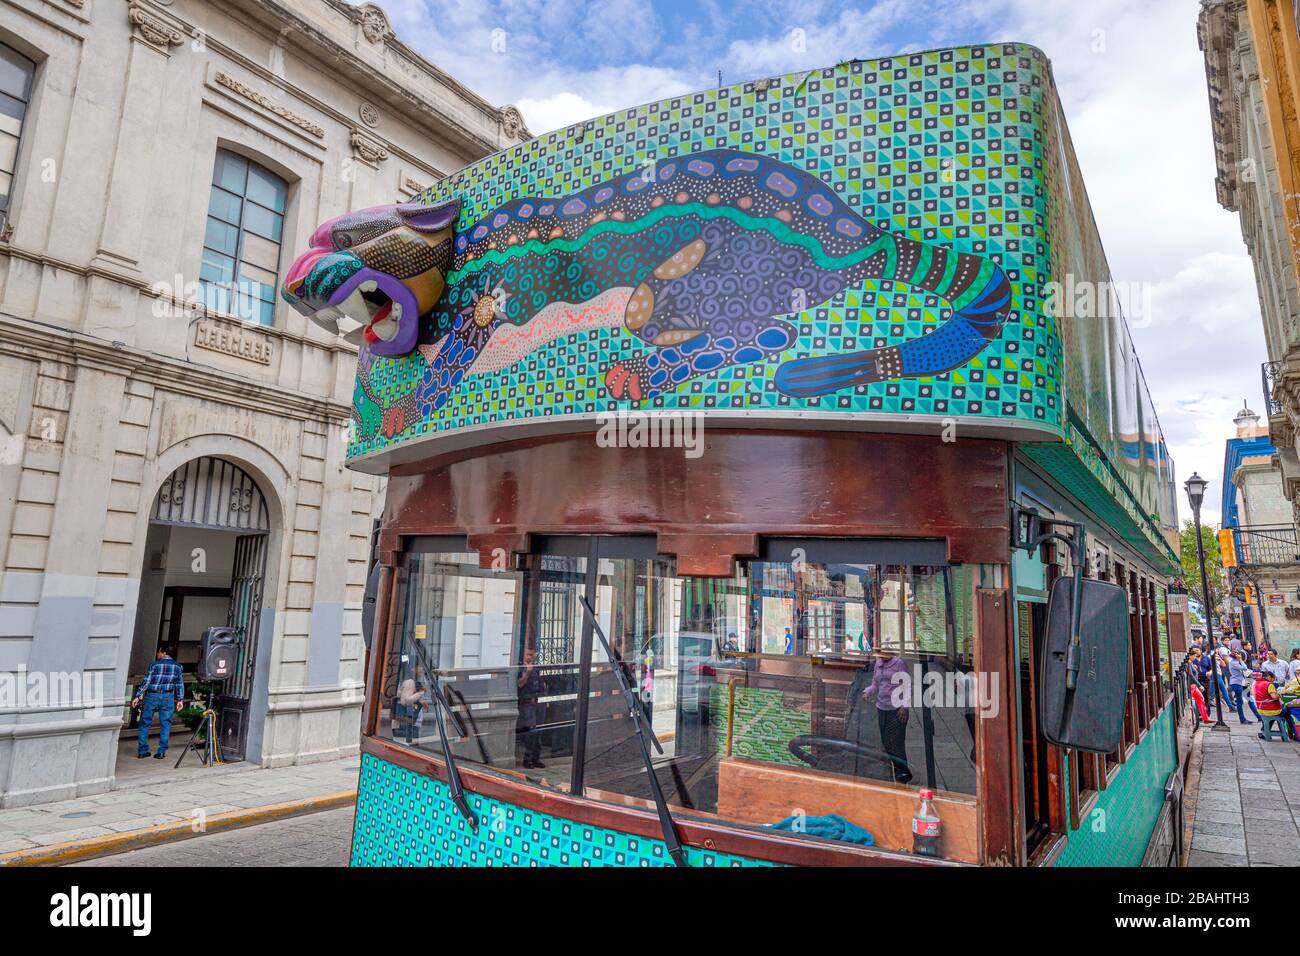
<point x="816" y="697"/>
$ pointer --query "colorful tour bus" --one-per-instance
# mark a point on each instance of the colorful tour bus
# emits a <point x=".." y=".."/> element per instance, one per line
<point x="734" y="446"/>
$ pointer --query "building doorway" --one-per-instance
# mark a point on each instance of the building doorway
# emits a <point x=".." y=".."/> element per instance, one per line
<point x="204" y="565"/>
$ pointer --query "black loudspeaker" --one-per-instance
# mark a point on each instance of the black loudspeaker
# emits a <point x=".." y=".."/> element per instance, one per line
<point x="217" y="652"/>
<point x="1090" y="717"/>
<point x="232" y="727"/>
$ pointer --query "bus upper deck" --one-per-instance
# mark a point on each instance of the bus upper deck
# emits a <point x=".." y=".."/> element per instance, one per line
<point x="708" y="426"/>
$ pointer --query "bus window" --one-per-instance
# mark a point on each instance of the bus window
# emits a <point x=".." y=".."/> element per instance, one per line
<point x="817" y="697"/>
<point x="503" y="646"/>
<point x="857" y="693"/>
<point x="1041" y="801"/>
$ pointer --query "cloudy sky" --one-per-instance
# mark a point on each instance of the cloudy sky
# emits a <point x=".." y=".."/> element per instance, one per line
<point x="1128" y="71"/>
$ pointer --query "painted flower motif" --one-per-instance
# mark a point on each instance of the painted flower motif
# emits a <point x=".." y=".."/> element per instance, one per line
<point x="487" y="307"/>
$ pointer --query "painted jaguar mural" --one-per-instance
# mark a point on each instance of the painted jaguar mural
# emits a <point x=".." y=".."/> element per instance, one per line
<point x="701" y="256"/>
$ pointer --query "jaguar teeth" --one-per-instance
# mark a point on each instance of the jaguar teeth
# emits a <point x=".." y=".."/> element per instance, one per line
<point x="357" y="307"/>
<point x="387" y="329"/>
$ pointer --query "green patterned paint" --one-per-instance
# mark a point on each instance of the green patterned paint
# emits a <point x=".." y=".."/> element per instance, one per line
<point x="1079" y="468"/>
<point x="762" y="725"/>
<point x="961" y="149"/>
<point x="1116" y="830"/>
<point x="405" y="818"/>
<point x="947" y="147"/>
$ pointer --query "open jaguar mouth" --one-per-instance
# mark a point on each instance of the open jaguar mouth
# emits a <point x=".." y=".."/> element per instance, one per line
<point x="368" y="306"/>
<point x="384" y="315"/>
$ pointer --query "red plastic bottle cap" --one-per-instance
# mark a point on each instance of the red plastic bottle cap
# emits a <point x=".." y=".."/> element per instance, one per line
<point x="927" y="794"/>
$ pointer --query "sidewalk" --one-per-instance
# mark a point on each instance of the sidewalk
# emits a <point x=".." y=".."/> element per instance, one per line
<point x="1249" y="799"/>
<point x="171" y="805"/>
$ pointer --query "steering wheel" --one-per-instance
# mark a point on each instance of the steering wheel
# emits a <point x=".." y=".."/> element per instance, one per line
<point x="801" y="747"/>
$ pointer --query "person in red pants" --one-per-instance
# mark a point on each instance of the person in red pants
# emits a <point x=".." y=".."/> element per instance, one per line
<point x="1198" y="698"/>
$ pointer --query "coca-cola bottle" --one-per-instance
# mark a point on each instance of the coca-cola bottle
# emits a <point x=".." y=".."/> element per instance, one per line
<point x="925" y="827"/>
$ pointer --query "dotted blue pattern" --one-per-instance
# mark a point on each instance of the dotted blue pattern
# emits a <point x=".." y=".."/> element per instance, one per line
<point x="407" y="819"/>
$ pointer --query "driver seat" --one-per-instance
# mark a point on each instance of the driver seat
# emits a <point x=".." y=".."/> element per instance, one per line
<point x="858" y="752"/>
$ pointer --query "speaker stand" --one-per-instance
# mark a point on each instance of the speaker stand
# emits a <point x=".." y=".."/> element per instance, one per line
<point x="208" y="749"/>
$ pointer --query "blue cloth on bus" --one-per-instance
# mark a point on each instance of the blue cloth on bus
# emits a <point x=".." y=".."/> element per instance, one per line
<point x="832" y="826"/>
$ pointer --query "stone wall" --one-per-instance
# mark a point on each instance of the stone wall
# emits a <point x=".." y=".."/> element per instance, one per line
<point x="112" y="375"/>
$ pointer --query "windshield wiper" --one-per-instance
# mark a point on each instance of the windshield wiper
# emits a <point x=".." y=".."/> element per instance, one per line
<point x="453" y="772"/>
<point x="637" y="712"/>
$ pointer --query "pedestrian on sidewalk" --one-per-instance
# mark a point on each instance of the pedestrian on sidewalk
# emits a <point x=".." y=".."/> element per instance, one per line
<point x="1202" y="674"/>
<point x="162" y="693"/>
<point x="1276" y="669"/>
<point x="1238" y="674"/>
<point x="1269" y="701"/>
<point x="1194" y="685"/>
<point x="1293" y="665"/>
<point x="1224" y="660"/>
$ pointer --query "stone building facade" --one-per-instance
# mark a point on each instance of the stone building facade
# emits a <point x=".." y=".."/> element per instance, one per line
<point x="1252" y="65"/>
<point x="1263" y="575"/>
<point x="172" y="436"/>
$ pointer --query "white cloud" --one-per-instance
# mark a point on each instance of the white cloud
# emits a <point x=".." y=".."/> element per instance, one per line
<point x="559" y="110"/>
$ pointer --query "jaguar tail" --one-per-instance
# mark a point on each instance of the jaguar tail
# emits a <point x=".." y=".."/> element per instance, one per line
<point x="976" y="288"/>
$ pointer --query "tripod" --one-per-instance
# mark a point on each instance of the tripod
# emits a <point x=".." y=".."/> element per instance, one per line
<point x="208" y="749"/>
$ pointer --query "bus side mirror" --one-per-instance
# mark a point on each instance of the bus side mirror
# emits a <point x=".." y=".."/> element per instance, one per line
<point x="368" y="600"/>
<point x="1091" y="716"/>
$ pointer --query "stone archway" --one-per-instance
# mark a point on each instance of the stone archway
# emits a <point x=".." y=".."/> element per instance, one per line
<point x="224" y="512"/>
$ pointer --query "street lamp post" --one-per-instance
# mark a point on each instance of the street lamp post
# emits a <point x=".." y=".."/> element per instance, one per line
<point x="1195" y="486"/>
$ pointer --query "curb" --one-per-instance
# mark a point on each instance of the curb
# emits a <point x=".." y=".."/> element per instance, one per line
<point x="1191" y="791"/>
<point x="59" y="854"/>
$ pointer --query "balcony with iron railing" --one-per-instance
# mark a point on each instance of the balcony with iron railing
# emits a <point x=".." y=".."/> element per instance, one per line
<point x="1262" y="544"/>
<point x="1269" y="373"/>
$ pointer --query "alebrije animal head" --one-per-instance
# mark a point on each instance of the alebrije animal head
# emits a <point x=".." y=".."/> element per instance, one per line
<point x="377" y="270"/>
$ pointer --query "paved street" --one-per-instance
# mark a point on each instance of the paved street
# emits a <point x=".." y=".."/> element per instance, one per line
<point x="169" y="796"/>
<point x="1249" y="800"/>
<point x="317" y="839"/>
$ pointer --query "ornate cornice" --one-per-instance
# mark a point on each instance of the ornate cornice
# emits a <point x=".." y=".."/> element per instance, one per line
<point x="462" y="129"/>
<point x="367" y="149"/>
<point x="24" y="339"/>
<point x="512" y="123"/>
<point x="153" y="29"/>
<point x="374" y="24"/>
<point x="248" y="93"/>
<point x="1216" y="31"/>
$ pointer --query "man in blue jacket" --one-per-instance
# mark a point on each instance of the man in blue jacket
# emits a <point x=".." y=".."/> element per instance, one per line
<point x="162" y="692"/>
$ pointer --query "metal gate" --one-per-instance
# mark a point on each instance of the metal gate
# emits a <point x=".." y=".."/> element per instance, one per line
<point x="245" y="611"/>
<point x="211" y="493"/>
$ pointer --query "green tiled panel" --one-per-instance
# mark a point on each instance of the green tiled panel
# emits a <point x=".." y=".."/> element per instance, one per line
<point x="1116" y="830"/>
<point x="407" y="819"/>
<point x="949" y="147"/>
<point x="762" y="726"/>
<point x="1084" y="474"/>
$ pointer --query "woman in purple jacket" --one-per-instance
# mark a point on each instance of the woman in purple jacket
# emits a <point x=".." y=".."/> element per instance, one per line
<point x="891" y="686"/>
